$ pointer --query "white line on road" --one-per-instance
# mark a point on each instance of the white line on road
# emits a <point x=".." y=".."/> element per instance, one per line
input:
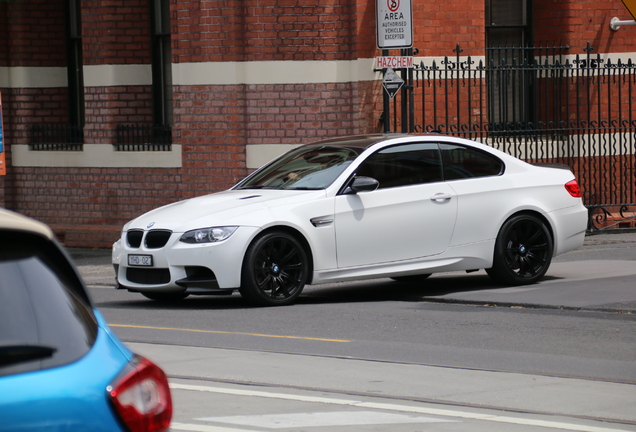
<point x="323" y="419"/>
<point x="205" y="428"/>
<point x="381" y="406"/>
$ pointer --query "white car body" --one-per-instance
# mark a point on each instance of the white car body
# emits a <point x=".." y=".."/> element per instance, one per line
<point x="392" y="232"/>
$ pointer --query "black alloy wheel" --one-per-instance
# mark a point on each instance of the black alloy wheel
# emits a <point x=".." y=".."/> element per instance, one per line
<point x="523" y="251"/>
<point x="275" y="270"/>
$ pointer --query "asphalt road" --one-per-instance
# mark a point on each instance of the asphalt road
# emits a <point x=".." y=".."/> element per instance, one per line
<point x="456" y="353"/>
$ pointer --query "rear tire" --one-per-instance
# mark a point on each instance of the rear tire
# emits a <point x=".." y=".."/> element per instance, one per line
<point x="523" y="251"/>
<point x="275" y="270"/>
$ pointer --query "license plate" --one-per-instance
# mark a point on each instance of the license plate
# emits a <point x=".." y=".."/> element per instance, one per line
<point x="140" y="260"/>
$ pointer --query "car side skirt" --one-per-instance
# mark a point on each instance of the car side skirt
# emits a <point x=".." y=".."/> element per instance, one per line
<point x="457" y="258"/>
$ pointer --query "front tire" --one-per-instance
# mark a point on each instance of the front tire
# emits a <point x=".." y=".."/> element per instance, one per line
<point x="523" y="251"/>
<point x="275" y="270"/>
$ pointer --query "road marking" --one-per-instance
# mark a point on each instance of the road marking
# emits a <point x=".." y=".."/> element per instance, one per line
<point x="204" y="428"/>
<point x="231" y="333"/>
<point x="397" y="408"/>
<point x="323" y="419"/>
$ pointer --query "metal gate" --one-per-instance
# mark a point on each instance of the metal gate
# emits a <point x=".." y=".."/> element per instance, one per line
<point x="540" y="104"/>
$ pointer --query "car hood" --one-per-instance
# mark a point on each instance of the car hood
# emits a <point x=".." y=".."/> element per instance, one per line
<point x="231" y="207"/>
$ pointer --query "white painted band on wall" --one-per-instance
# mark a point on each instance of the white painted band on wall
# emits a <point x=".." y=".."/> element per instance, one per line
<point x="233" y="73"/>
<point x="96" y="156"/>
<point x="33" y="77"/>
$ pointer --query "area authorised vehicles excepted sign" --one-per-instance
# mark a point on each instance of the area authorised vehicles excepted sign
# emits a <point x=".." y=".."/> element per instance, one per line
<point x="394" y="24"/>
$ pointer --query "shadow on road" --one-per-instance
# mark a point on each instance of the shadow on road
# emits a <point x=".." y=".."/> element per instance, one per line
<point x="377" y="290"/>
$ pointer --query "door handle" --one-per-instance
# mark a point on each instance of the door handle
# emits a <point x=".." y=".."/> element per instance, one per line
<point x="440" y="197"/>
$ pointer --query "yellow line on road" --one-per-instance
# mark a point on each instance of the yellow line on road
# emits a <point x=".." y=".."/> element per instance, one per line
<point x="229" y="333"/>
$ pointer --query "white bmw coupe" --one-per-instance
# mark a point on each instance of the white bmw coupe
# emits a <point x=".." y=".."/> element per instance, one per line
<point x="358" y="207"/>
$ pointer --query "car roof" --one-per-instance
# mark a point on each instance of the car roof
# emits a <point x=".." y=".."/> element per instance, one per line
<point x="362" y="141"/>
<point x="10" y="220"/>
<point x="368" y="140"/>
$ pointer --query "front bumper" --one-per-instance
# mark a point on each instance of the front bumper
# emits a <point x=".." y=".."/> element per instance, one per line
<point x="205" y="268"/>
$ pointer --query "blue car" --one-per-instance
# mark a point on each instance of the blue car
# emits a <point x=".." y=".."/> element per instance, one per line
<point x="61" y="367"/>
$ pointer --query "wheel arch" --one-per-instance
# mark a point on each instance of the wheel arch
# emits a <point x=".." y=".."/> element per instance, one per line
<point x="298" y="236"/>
<point x="541" y="217"/>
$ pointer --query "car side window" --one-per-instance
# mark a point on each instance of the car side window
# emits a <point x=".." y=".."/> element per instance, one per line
<point x="462" y="162"/>
<point x="403" y="165"/>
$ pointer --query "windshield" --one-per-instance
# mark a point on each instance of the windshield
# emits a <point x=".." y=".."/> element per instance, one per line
<point x="307" y="167"/>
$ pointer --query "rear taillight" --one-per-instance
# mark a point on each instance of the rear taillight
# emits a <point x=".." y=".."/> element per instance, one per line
<point x="573" y="188"/>
<point x="141" y="397"/>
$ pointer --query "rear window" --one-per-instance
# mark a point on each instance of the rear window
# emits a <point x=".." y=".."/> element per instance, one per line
<point x="46" y="319"/>
<point x="462" y="162"/>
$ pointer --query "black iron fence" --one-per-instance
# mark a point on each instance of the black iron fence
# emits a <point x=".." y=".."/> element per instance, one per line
<point x="64" y="137"/>
<point x="143" y="138"/>
<point x="56" y="137"/>
<point x="541" y="104"/>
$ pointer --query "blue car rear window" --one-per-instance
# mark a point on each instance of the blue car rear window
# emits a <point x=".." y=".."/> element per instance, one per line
<point x="46" y="316"/>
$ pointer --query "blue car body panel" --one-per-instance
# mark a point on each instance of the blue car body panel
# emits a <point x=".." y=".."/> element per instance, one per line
<point x="68" y="398"/>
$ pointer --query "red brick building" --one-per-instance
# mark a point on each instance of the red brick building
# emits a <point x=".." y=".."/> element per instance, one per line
<point x="114" y="107"/>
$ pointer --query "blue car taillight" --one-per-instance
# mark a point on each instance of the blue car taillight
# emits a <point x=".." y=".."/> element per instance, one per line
<point x="141" y="397"/>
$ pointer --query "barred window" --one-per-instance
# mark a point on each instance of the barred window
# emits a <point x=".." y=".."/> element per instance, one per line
<point x="508" y="33"/>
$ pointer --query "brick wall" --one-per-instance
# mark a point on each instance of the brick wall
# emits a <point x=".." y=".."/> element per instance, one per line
<point x="106" y="107"/>
<point x="116" y="32"/>
<point x="576" y="23"/>
<point x="253" y="30"/>
<point x="88" y="206"/>
<point x="439" y="26"/>
<point x="32" y="33"/>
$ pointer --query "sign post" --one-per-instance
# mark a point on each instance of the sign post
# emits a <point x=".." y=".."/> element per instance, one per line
<point x="3" y="161"/>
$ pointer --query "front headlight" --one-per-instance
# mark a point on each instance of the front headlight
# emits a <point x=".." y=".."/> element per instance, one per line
<point x="208" y="235"/>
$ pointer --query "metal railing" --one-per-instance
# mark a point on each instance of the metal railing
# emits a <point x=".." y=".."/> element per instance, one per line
<point x="143" y="138"/>
<point x="540" y="105"/>
<point x="61" y="137"/>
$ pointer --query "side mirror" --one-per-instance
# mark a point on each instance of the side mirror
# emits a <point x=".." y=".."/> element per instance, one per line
<point x="362" y="184"/>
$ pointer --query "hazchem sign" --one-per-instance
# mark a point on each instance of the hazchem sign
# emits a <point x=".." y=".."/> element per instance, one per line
<point x="396" y="62"/>
<point x="392" y="82"/>
<point x="394" y="24"/>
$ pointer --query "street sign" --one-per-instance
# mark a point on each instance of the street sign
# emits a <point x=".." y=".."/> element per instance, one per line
<point x="3" y="162"/>
<point x="394" y="24"/>
<point x="392" y="82"/>
<point x="631" y="7"/>
<point x="397" y="62"/>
